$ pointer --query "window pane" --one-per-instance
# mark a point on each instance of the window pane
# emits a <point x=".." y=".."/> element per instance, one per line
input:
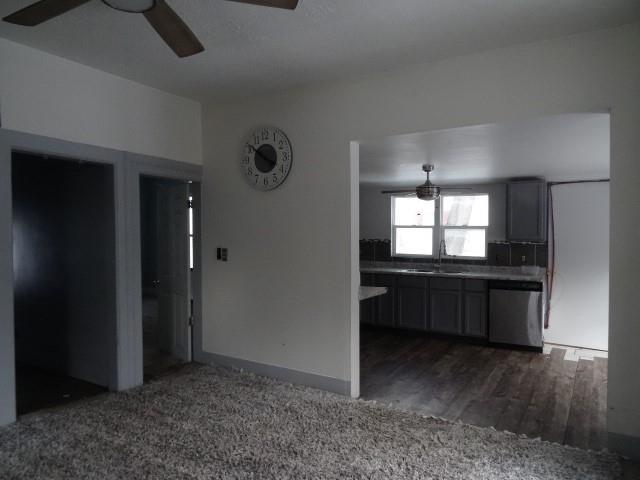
<point x="463" y="242"/>
<point x="414" y="241"/>
<point x="465" y="210"/>
<point x="191" y="264"/>
<point x="413" y="211"/>
<point x="190" y="216"/>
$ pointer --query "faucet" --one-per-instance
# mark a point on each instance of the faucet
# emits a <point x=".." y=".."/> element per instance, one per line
<point x="442" y="250"/>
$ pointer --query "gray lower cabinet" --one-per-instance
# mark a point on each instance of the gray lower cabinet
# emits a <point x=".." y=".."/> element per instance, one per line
<point x="446" y="306"/>
<point x="368" y="307"/>
<point x="475" y="308"/>
<point x="385" y="307"/>
<point x="412" y="299"/>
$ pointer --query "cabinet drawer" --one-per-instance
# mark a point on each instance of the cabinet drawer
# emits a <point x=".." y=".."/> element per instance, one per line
<point x="444" y="283"/>
<point x="475" y="285"/>
<point x="416" y="281"/>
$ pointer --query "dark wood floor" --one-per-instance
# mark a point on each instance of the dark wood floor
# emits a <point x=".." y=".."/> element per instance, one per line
<point x="37" y="389"/>
<point x="539" y="395"/>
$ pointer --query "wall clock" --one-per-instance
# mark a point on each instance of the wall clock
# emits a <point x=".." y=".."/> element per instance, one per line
<point x="267" y="158"/>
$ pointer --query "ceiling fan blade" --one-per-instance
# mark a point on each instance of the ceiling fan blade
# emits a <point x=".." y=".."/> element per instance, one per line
<point x="387" y="192"/>
<point x="456" y="188"/>
<point x="173" y="30"/>
<point x="42" y="11"/>
<point x="288" y="4"/>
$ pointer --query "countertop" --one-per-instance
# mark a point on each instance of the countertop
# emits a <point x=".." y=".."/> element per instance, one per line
<point x="369" y="292"/>
<point x="481" y="272"/>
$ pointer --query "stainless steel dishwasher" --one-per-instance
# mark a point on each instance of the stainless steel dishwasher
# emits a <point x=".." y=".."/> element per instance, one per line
<point x="516" y="313"/>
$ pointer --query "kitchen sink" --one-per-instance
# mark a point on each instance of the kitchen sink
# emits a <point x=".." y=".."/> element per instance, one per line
<point x="433" y="270"/>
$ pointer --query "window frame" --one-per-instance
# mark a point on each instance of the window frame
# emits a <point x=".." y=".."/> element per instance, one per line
<point x="439" y="229"/>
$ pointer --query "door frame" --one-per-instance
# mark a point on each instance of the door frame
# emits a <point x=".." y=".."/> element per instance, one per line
<point x="126" y="367"/>
<point x="138" y="166"/>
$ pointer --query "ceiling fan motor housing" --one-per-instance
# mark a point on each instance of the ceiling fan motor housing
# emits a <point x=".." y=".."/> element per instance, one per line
<point x="428" y="192"/>
<point x="131" y="6"/>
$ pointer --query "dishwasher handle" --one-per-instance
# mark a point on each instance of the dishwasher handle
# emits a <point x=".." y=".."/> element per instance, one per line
<point x="515" y="285"/>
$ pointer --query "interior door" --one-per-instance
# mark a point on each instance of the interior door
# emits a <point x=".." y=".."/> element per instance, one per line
<point x="173" y="271"/>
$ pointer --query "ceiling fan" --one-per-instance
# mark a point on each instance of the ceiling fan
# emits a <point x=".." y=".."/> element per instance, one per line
<point x="426" y="191"/>
<point x="158" y="13"/>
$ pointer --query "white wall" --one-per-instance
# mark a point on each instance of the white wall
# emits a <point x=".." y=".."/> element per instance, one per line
<point x="375" y="210"/>
<point x="580" y="301"/>
<point x="284" y="296"/>
<point x="47" y="95"/>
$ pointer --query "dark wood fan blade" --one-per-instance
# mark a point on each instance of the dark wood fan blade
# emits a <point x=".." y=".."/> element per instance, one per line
<point x="42" y="11"/>
<point x="399" y="191"/>
<point x="288" y="4"/>
<point x="173" y="30"/>
<point x="456" y="188"/>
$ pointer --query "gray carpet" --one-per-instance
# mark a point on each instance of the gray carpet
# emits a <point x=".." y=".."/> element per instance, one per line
<point x="206" y="422"/>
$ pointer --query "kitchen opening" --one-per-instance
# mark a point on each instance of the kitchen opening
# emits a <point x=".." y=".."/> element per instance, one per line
<point x="484" y="272"/>
<point x="64" y="280"/>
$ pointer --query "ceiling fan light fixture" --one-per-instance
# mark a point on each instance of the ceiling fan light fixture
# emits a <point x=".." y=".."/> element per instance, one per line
<point x="131" y="6"/>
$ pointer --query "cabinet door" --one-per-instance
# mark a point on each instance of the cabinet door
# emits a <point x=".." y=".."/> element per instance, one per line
<point x="475" y="314"/>
<point x="385" y="309"/>
<point x="527" y="211"/>
<point x="367" y="307"/>
<point x="445" y="314"/>
<point x="412" y="301"/>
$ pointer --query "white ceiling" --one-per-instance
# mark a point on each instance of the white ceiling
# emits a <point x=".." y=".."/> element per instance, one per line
<point x="559" y="147"/>
<point x="252" y="50"/>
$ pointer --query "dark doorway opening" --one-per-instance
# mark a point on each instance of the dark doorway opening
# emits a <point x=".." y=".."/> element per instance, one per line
<point x="64" y="279"/>
<point x="166" y="222"/>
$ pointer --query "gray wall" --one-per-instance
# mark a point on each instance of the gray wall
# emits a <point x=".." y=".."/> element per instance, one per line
<point x="64" y="257"/>
<point x="375" y="210"/>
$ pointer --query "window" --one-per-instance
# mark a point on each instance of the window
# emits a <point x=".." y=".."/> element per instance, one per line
<point x="413" y="223"/>
<point x="462" y="224"/>
<point x="190" y="203"/>
<point x="465" y="219"/>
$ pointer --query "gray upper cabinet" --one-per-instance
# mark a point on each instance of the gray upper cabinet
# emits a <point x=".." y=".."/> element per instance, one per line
<point x="412" y="296"/>
<point x="446" y="306"/>
<point x="527" y="211"/>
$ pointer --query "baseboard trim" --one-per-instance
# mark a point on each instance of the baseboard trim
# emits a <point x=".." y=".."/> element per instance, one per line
<point x="625" y="445"/>
<point x="321" y="382"/>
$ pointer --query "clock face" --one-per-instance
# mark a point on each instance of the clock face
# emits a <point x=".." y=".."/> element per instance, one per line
<point x="266" y="158"/>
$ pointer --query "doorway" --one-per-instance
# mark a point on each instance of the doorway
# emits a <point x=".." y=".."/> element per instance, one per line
<point x="64" y="279"/>
<point x="431" y="342"/>
<point x="167" y="243"/>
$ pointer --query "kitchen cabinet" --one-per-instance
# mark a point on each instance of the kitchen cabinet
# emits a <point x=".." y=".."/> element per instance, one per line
<point x="445" y="298"/>
<point x="385" y="305"/>
<point x="527" y="211"/>
<point x="475" y="308"/>
<point x="367" y="307"/>
<point x="453" y="306"/>
<point x="412" y="298"/>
